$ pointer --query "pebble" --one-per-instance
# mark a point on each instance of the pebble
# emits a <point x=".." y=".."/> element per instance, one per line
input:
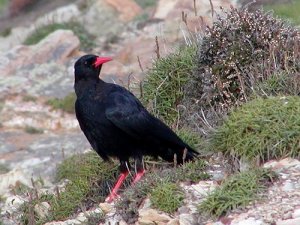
<point x="295" y="221"/>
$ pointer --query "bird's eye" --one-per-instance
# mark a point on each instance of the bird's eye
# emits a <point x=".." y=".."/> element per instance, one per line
<point x="85" y="62"/>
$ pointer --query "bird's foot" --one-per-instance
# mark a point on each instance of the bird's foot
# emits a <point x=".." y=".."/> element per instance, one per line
<point x="113" y="194"/>
<point x="138" y="176"/>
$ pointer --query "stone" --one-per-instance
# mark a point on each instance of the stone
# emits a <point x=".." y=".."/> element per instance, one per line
<point x="249" y="221"/>
<point x="296" y="213"/>
<point x="42" y="209"/>
<point x="127" y="9"/>
<point x="102" y="20"/>
<point x="295" y="221"/>
<point x="105" y="207"/>
<point x="12" y="204"/>
<point x="19" y="34"/>
<point x="174" y="222"/>
<point x="186" y="219"/>
<point x="11" y="178"/>
<point x="151" y="216"/>
<point x="288" y="186"/>
<point x="37" y="69"/>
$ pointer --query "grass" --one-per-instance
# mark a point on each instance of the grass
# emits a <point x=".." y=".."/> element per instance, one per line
<point x="146" y="3"/>
<point x="88" y="177"/>
<point x="66" y="104"/>
<point x="236" y="191"/>
<point x="163" y="86"/>
<point x="160" y="181"/>
<point x="167" y="197"/>
<point x="33" y="130"/>
<point x="40" y="33"/>
<point x="261" y="129"/>
<point x="3" y="169"/>
<point x="286" y="10"/>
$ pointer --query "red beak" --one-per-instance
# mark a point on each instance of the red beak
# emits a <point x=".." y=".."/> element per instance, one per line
<point x="100" y="60"/>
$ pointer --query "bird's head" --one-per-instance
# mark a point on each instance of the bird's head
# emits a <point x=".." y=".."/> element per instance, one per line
<point x="89" y="66"/>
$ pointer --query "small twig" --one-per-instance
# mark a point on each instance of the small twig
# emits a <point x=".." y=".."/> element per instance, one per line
<point x="157" y="48"/>
<point x="57" y="193"/>
<point x="140" y="64"/>
<point x="195" y="8"/>
<point x="175" y="160"/>
<point x="34" y="188"/>
<point x="129" y="81"/>
<point x="184" y="155"/>
<point x="212" y="8"/>
<point x="141" y="89"/>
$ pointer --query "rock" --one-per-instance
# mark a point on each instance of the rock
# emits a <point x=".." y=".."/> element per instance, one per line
<point x="102" y="20"/>
<point x="12" y="203"/>
<point x="127" y="9"/>
<point x="11" y="178"/>
<point x="249" y="221"/>
<point x="295" y="221"/>
<point x="106" y="207"/>
<point x="288" y="186"/>
<point x="19" y="34"/>
<point x="174" y="222"/>
<point x="187" y="219"/>
<point x="152" y="217"/>
<point x="42" y="209"/>
<point x="39" y="69"/>
<point x="296" y="213"/>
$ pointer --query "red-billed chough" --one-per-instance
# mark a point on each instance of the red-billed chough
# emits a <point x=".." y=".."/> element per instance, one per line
<point x="117" y="125"/>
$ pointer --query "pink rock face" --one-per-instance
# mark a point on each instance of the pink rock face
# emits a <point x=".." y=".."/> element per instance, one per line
<point x="57" y="47"/>
<point x="128" y="9"/>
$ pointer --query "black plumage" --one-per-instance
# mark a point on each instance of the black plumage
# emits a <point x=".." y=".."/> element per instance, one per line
<point x="117" y="125"/>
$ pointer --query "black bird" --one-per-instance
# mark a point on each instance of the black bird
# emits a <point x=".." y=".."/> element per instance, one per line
<point x="117" y="125"/>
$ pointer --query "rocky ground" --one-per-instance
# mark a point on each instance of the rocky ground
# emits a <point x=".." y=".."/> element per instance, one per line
<point x="30" y="75"/>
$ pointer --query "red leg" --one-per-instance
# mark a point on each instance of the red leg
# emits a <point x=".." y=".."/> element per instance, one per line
<point x="138" y="176"/>
<point x="113" y="193"/>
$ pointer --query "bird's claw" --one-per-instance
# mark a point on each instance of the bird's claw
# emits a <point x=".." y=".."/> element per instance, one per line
<point x="112" y="196"/>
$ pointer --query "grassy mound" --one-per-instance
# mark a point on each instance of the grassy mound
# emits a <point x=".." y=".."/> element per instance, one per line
<point x="66" y="104"/>
<point x="89" y="178"/>
<point x="261" y="129"/>
<point x="236" y="191"/>
<point x="241" y="49"/>
<point x="163" y="86"/>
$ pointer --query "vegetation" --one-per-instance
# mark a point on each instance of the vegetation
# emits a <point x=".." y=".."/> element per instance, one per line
<point x="261" y="129"/>
<point x="288" y="10"/>
<point x="146" y="3"/>
<point x="237" y="53"/>
<point x="66" y="104"/>
<point x="88" y="178"/>
<point x="236" y="191"/>
<point x="167" y="197"/>
<point x="3" y="169"/>
<point x="163" y="86"/>
<point x="40" y="33"/>
<point x="33" y="130"/>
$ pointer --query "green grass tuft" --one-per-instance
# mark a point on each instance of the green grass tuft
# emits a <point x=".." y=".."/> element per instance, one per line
<point x="261" y="129"/>
<point x="286" y="10"/>
<point x="66" y="104"/>
<point x="33" y="130"/>
<point x="89" y="178"/>
<point x="163" y="86"/>
<point x="146" y="3"/>
<point x="40" y="33"/>
<point x="3" y="169"/>
<point x="236" y="191"/>
<point x="167" y="197"/>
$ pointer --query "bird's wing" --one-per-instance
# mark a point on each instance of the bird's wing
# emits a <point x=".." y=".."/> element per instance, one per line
<point x="126" y="112"/>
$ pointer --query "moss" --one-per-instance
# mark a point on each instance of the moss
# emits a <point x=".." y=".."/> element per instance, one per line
<point x="3" y="169"/>
<point x="66" y="104"/>
<point x="236" y="191"/>
<point x="261" y="129"/>
<point x="146" y="3"/>
<point x="163" y="86"/>
<point x="40" y="33"/>
<point x="167" y="197"/>
<point x="33" y="130"/>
